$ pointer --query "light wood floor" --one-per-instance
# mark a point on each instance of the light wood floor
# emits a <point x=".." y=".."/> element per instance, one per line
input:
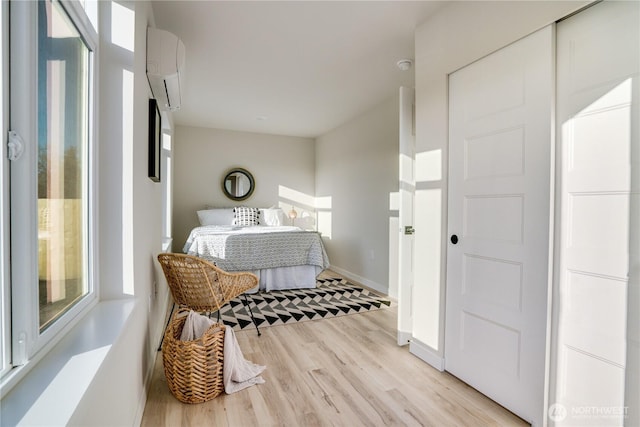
<point x="345" y="371"/>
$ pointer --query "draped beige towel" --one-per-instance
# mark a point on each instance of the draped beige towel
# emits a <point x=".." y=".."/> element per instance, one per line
<point x="238" y="373"/>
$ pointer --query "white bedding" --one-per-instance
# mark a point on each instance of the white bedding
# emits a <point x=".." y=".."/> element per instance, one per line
<point x="283" y="257"/>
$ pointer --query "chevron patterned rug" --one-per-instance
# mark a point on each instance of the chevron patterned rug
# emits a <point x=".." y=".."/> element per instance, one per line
<point x="332" y="297"/>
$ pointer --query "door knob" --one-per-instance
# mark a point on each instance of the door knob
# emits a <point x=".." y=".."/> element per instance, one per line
<point x="454" y="239"/>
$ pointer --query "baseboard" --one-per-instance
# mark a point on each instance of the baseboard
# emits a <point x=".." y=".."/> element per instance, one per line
<point x="148" y="377"/>
<point x="404" y="338"/>
<point x="427" y="354"/>
<point x="361" y="280"/>
<point x="142" y="400"/>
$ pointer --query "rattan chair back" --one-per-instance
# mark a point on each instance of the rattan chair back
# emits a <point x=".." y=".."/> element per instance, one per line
<point x="201" y="286"/>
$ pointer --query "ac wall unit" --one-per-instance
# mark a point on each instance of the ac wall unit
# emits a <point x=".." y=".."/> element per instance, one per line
<point x="165" y="68"/>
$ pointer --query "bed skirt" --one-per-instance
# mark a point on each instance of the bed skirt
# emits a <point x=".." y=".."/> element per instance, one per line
<point x="296" y="277"/>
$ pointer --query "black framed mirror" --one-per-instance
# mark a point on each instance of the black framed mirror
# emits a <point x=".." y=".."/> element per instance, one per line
<point x="238" y="184"/>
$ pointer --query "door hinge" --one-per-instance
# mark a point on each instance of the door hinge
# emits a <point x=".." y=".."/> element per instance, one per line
<point x="408" y="229"/>
<point x="15" y="146"/>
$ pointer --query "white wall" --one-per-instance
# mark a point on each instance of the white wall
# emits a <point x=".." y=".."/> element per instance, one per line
<point x="130" y="217"/>
<point x="455" y="36"/>
<point x="356" y="170"/>
<point x="282" y="166"/>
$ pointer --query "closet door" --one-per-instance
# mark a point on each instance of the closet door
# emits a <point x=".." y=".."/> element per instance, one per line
<point x="597" y="130"/>
<point x="499" y="210"/>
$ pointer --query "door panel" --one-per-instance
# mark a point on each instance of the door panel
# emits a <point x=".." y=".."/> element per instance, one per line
<point x="499" y="191"/>
<point x="492" y="281"/>
<point x="479" y="160"/>
<point x="597" y="128"/>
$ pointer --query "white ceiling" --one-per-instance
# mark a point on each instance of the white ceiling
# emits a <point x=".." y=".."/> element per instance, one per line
<point x="297" y="68"/>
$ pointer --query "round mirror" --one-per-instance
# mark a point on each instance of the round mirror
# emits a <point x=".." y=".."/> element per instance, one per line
<point x="238" y="184"/>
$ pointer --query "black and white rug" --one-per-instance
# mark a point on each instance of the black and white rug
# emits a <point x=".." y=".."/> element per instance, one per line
<point x="332" y="297"/>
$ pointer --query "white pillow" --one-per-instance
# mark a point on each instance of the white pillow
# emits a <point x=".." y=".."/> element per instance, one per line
<point x="220" y="216"/>
<point x="272" y="216"/>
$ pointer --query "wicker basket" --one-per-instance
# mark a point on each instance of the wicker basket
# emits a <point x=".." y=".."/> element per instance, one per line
<point x="193" y="368"/>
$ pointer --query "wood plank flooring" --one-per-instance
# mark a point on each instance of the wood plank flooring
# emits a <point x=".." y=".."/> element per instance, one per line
<point x="344" y="371"/>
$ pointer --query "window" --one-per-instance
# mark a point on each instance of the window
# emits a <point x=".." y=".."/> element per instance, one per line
<point x="52" y="56"/>
<point x="168" y="184"/>
<point x="62" y="154"/>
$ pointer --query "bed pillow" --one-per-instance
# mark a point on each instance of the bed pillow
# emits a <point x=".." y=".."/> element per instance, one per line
<point x="246" y="216"/>
<point x="272" y="216"/>
<point x="219" y="216"/>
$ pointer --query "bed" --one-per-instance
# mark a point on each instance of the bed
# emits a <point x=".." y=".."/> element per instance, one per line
<point x="283" y="257"/>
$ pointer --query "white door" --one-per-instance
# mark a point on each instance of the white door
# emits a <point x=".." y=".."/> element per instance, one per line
<point x="597" y="130"/>
<point x="499" y="192"/>
<point x="406" y="193"/>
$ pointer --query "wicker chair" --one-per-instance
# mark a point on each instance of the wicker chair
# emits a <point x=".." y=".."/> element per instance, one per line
<point x="201" y="286"/>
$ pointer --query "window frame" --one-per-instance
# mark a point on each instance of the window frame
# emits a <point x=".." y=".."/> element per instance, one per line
<point x="167" y="194"/>
<point x="28" y="343"/>
<point x="5" y="296"/>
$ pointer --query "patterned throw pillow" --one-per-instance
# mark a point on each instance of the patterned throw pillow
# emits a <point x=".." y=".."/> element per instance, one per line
<point x="246" y="216"/>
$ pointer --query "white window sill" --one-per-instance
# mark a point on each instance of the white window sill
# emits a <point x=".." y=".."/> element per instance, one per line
<point x="52" y="389"/>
